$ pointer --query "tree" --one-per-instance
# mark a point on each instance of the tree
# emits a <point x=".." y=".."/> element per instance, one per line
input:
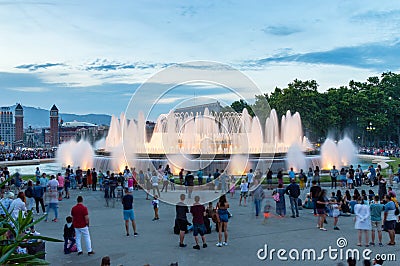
<point x="17" y="228"/>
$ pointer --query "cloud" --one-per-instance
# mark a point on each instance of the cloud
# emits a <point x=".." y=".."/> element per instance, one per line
<point x="34" y="67"/>
<point x="281" y="30"/>
<point x="376" y="56"/>
<point x="168" y="100"/>
<point x="30" y="89"/>
<point x="107" y="65"/>
<point x="385" y="15"/>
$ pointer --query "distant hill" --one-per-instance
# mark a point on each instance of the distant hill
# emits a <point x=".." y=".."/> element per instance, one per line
<point x="37" y="117"/>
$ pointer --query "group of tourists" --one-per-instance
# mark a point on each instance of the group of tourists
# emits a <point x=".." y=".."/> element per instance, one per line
<point x="26" y="154"/>
<point x="370" y="209"/>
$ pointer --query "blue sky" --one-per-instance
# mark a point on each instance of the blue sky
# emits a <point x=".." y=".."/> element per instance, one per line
<point x="91" y="56"/>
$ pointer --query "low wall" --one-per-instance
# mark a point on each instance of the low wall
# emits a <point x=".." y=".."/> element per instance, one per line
<point x="26" y="162"/>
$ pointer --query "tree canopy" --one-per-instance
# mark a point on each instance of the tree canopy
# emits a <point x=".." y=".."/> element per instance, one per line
<point x="369" y="111"/>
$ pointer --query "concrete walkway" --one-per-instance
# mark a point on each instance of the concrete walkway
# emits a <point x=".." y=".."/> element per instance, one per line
<point x="157" y="245"/>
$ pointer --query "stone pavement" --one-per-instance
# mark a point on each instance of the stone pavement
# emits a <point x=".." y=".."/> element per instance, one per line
<point x="157" y="245"/>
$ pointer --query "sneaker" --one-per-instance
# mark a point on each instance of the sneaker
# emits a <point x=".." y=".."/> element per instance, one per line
<point x="135" y="234"/>
<point x="80" y="253"/>
<point x="219" y="244"/>
<point x="293" y="216"/>
<point x="91" y="253"/>
<point x="336" y="228"/>
<point x="127" y="234"/>
<point x="372" y="243"/>
<point x="154" y="219"/>
<point x="380" y="244"/>
<point x="182" y="245"/>
<point x="204" y="245"/>
<point x="196" y="247"/>
<point x="297" y="215"/>
<point x="224" y="243"/>
<point x="36" y="233"/>
<point x="323" y="229"/>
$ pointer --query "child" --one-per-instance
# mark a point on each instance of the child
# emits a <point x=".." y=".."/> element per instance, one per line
<point x="335" y="213"/>
<point x="155" y="204"/>
<point x="244" y="189"/>
<point x="120" y="191"/>
<point x="69" y="235"/>
<point x="267" y="209"/>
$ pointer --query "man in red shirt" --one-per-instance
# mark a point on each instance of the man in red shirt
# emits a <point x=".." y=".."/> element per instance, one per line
<point x="80" y="221"/>
<point x="198" y="211"/>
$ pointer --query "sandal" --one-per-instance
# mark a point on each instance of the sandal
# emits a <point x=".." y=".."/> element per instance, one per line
<point x="359" y="245"/>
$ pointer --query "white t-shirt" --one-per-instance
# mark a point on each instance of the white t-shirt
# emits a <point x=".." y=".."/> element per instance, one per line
<point x="244" y="187"/>
<point x="53" y="184"/>
<point x="154" y="180"/>
<point x="16" y="206"/>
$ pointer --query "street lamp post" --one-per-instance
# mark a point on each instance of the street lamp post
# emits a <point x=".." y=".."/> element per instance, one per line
<point x="370" y="128"/>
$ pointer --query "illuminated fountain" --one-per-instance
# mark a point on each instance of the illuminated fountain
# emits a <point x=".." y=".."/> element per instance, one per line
<point x="232" y="141"/>
<point x="341" y="153"/>
<point x="76" y="154"/>
<point x="193" y="141"/>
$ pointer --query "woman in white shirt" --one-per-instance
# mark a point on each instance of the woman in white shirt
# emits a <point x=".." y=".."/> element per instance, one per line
<point x="362" y="220"/>
<point x="18" y="205"/>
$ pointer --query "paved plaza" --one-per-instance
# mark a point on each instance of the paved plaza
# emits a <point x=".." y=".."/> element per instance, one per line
<point x="157" y="245"/>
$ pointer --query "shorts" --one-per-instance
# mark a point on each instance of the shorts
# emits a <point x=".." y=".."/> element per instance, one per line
<point x="269" y="181"/>
<point x="199" y="229"/>
<point x="376" y="225"/>
<point x="223" y="216"/>
<point x="182" y="224"/>
<point x="321" y="211"/>
<point x="243" y="194"/>
<point x="266" y="214"/>
<point x="59" y="189"/>
<point x="129" y="215"/>
<point x="389" y="225"/>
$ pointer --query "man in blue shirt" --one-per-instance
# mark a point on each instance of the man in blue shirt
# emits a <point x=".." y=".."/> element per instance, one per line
<point x="389" y="219"/>
<point x="292" y="174"/>
<point x="373" y="175"/>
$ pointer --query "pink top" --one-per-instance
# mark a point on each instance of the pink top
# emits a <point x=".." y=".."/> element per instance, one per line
<point x="130" y="182"/>
<point x="60" y="181"/>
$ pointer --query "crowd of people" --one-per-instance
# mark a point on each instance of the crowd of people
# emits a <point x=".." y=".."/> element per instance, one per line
<point x="349" y="196"/>
<point x="26" y="154"/>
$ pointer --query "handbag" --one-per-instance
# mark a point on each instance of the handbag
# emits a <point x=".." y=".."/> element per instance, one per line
<point x="276" y="196"/>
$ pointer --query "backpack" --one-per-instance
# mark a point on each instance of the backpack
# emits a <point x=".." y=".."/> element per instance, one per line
<point x="275" y="196"/>
<point x="28" y="193"/>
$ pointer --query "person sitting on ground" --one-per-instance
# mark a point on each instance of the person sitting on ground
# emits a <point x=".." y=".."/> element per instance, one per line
<point x="333" y="196"/>
<point x="347" y="195"/>
<point x="371" y="195"/>
<point x="353" y="203"/>
<point x="308" y="204"/>
<point x="344" y="208"/>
